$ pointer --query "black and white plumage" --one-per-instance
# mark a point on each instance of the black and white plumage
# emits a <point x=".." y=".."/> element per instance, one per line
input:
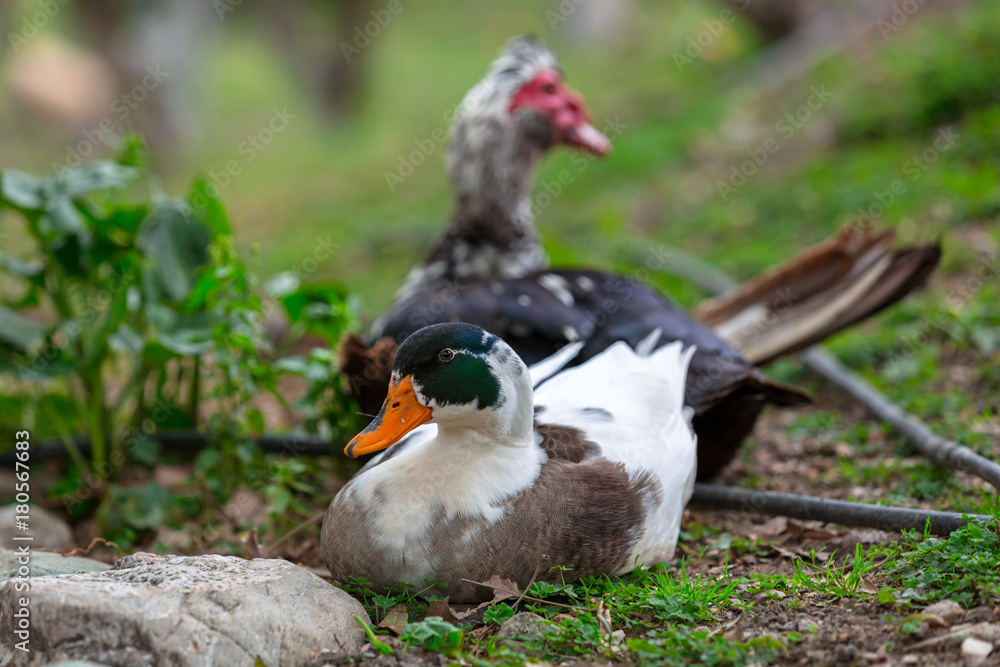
<point x="592" y="468"/>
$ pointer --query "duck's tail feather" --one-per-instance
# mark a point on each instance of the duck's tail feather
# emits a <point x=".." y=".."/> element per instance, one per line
<point x="823" y="290"/>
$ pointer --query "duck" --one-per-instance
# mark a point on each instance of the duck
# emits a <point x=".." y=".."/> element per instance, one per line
<point x="488" y="468"/>
<point x="489" y="269"/>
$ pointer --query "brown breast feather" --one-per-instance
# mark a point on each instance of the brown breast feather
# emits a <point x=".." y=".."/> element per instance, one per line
<point x="585" y="515"/>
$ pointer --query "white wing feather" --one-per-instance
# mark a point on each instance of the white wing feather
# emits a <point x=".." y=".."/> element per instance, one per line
<point x="631" y="406"/>
<point x="549" y="366"/>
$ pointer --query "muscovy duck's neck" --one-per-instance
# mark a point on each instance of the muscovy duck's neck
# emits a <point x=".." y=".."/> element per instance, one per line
<point x="491" y="165"/>
<point x="492" y="234"/>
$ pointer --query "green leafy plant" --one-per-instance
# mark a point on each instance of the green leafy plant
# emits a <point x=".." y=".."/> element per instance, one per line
<point x="434" y="634"/>
<point x="129" y="312"/>
<point x="962" y="567"/>
<point x="379" y="603"/>
<point x="498" y="613"/>
<point x="100" y="303"/>
<point x="681" y="646"/>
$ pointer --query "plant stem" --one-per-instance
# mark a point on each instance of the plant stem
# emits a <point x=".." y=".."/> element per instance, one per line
<point x="98" y="450"/>
<point x="66" y="438"/>
<point x="195" y="389"/>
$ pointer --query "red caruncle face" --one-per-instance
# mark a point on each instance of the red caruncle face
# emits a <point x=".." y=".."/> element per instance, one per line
<point x="548" y="94"/>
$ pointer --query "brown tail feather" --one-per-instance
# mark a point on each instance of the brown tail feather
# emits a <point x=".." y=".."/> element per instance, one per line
<point x="825" y="289"/>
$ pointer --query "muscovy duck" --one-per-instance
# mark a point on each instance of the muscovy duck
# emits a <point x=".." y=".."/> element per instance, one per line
<point x="592" y="469"/>
<point x="489" y="269"/>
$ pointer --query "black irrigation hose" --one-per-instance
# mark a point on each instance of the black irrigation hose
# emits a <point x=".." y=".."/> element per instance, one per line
<point x="707" y="496"/>
<point x="845" y="513"/>
<point x="53" y="449"/>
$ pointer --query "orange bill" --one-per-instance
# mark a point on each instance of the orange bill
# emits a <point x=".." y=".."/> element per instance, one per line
<point x="400" y="414"/>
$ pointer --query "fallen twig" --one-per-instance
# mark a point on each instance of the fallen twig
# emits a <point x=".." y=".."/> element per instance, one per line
<point x="253" y="547"/>
<point x="90" y="547"/>
<point x="527" y="597"/>
<point x="979" y="630"/>
<point x="188" y="441"/>
<point x="538" y="566"/>
<point x="843" y="512"/>
<point x="272" y="548"/>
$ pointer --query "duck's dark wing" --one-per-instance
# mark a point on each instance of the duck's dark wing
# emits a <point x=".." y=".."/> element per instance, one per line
<point x="541" y="312"/>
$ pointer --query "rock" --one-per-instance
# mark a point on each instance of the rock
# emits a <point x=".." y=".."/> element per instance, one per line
<point x="981" y="615"/>
<point x="846" y="653"/>
<point x="185" y="611"/>
<point x="734" y="635"/>
<point x="807" y="624"/>
<point x="525" y="626"/>
<point x="987" y="632"/>
<point x="949" y="611"/>
<point x="975" y="651"/>
<point x="45" y="563"/>
<point x="49" y="531"/>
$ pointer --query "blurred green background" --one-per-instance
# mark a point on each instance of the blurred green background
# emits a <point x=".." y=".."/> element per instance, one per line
<point x="691" y="115"/>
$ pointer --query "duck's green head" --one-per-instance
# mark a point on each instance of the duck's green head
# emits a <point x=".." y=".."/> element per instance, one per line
<point x="444" y="372"/>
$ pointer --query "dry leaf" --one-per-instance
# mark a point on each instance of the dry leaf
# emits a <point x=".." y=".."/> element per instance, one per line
<point x="245" y="508"/>
<point x="443" y="609"/>
<point x="604" y="617"/>
<point x="868" y="586"/>
<point x="173" y="478"/>
<point x="791" y="555"/>
<point x="772" y="528"/>
<point x="395" y="619"/>
<point x="811" y="530"/>
<point x="734" y="635"/>
<point x="503" y="589"/>
<point x="250" y="542"/>
<point x="843" y="450"/>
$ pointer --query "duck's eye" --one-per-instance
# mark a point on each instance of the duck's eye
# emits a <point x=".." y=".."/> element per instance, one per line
<point x="446" y="355"/>
<point x="549" y="89"/>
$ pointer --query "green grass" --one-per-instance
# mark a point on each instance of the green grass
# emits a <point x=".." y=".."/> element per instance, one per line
<point x="962" y="568"/>
<point x="667" y="615"/>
